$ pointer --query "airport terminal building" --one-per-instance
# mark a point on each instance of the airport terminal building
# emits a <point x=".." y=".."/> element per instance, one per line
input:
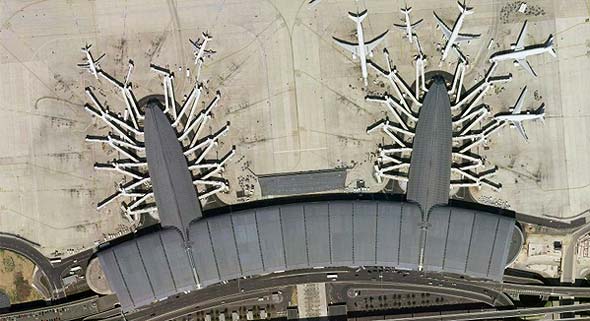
<point x="305" y="235"/>
<point x="420" y="232"/>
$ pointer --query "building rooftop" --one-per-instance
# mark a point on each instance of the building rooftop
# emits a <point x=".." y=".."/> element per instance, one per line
<point x="305" y="235"/>
<point x="176" y="197"/>
<point x="430" y="167"/>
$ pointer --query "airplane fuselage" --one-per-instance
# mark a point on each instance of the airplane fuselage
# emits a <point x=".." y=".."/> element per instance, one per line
<point x="91" y="64"/>
<point x="201" y="51"/>
<point x="408" y="27"/>
<point x="519" y="117"/>
<point x="361" y="51"/>
<point x="454" y="34"/>
<point x="519" y="54"/>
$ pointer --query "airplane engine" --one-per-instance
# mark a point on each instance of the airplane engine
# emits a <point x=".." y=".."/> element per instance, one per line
<point x="353" y="57"/>
<point x="371" y="54"/>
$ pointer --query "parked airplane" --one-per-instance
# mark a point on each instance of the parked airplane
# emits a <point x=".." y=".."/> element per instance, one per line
<point x="453" y="36"/>
<point x="519" y="52"/>
<point x="409" y="26"/>
<point x="199" y="47"/>
<point x="92" y="65"/>
<point x="362" y="48"/>
<point x="517" y="117"/>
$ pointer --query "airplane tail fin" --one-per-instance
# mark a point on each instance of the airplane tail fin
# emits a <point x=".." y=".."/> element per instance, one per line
<point x="549" y="44"/>
<point x="464" y="8"/>
<point x="207" y="36"/>
<point x="406" y="10"/>
<point x="358" y="17"/>
<point x="541" y="111"/>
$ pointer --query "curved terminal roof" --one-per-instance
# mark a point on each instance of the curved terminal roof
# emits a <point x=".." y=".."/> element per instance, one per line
<point x="193" y="252"/>
<point x="430" y="164"/>
<point x="306" y="235"/>
<point x="147" y="268"/>
<point x="174" y="192"/>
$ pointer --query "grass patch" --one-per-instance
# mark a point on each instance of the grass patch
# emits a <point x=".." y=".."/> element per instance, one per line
<point x="16" y="277"/>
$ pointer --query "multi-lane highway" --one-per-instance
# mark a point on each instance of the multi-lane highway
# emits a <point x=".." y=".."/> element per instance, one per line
<point x="490" y="293"/>
<point x="233" y="292"/>
<point x="238" y="290"/>
<point x="521" y="289"/>
<point x="497" y="314"/>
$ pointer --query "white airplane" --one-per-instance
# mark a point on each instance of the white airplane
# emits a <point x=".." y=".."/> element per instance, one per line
<point x="362" y="48"/>
<point x="517" y="117"/>
<point x="199" y="47"/>
<point x="453" y="36"/>
<point x="90" y="64"/>
<point x="519" y="52"/>
<point x="409" y="26"/>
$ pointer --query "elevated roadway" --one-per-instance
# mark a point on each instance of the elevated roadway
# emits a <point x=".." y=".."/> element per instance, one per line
<point x="498" y="314"/>
<point x="490" y="293"/>
<point x="238" y="290"/>
<point x="519" y="289"/>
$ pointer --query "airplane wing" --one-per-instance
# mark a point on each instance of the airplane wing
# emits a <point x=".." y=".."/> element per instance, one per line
<point x="353" y="48"/>
<point x="415" y="24"/>
<point x="84" y="65"/>
<point x="443" y="27"/>
<point x="99" y="58"/>
<point x="465" y="37"/>
<point x="520" y="128"/>
<point x="402" y="27"/>
<point x="196" y="44"/>
<point x="369" y="46"/>
<point x="519" y="102"/>
<point x="520" y="41"/>
<point x="526" y="66"/>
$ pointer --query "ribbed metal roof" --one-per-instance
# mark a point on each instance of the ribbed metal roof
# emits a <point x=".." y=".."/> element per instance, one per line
<point x="306" y="235"/>
<point x="176" y="197"/>
<point x="148" y="268"/>
<point x="430" y="165"/>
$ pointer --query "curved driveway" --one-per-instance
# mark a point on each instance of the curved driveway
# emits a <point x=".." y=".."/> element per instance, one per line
<point x="24" y="248"/>
<point x="53" y="273"/>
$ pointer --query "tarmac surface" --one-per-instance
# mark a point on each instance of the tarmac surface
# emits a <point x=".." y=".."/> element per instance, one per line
<point x="294" y="99"/>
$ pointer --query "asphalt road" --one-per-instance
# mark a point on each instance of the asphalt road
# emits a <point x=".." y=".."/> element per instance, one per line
<point x="498" y="314"/>
<point x="23" y="247"/>
<point x="491" y="293"/>
<point x="568" y="271"/>
<point x="476" y="290"/>
<point x="238" y="290"/>
<point x="555" y="223"/>
<point x="521" y="280"/>
<point x="524" y="289"/>
<point x="53" y="273"/>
